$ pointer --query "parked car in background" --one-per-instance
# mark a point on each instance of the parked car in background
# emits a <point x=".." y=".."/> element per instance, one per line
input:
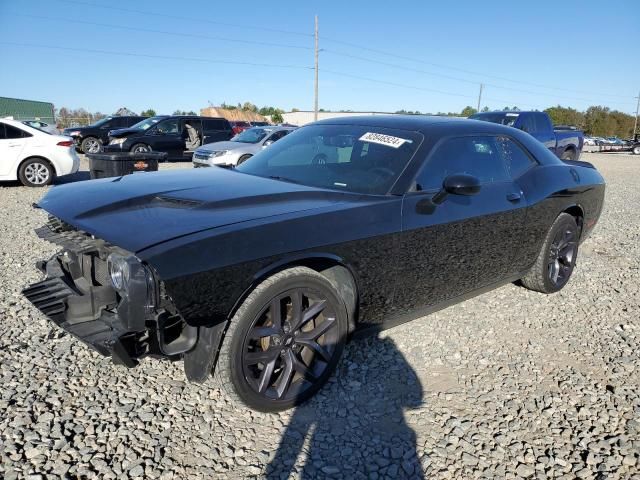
<point x="92" y="138"/>
<point x="260" y="274"/>
<point x="592" y="142"/>
<point x="33" y="156"/>
<point x="239" y="126"/>
<point x="260" y="124"/>
<point x="240" y="148"/>
<point x="177" y="135"/>
<point x="45" y="127"/>
<point x="615" y="141"/>
<point x="565" y="143"/>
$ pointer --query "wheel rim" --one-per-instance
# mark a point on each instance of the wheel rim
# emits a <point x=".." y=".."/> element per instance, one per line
<point x="92" y="145"/>
<point x="290" y="344"/>
<point x="37" y="173"/>
<point x="636" y="150"/>
<point x="562" y="256"/>
<point x="141" y="149"/>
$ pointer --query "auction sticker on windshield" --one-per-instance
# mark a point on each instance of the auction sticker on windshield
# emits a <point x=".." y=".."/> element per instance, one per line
<point x="388" y="140"/>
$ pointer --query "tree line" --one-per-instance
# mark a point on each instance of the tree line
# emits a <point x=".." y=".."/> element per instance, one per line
<point x="597" y="121"/>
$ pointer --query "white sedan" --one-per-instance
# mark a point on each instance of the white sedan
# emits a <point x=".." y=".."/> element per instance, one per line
<point x="33" y="156"/>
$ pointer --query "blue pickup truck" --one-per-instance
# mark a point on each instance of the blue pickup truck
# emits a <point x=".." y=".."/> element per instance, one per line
<point x="565" y="143"/>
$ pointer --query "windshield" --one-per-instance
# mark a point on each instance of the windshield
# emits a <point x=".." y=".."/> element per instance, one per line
<point x="147" y="123"/>
<point x="251" y="135"/>
<point x="508" y="119"/>
<point x="37" y="125"/>
<point x="354" y="158"/>
<point x="101" y="122"/>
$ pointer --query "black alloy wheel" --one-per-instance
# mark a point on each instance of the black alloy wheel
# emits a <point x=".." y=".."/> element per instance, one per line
<point x="557" y="258"/>
<point x="562" y="254"/>
<point x="284" y="341"/>
<point x="290" y="344"/>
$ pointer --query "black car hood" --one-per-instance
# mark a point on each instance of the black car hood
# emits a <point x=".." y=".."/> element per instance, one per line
<point x="140" y="210"/>
<point x="125" y="132"/>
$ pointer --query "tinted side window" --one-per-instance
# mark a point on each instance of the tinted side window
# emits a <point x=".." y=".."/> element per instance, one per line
<point x="216" y="124"/>
<point x="479" y="156"/>
<point x="515" y="158"/>
<point x="13" y="132"/>
<point x="527" y="123"/>
<point x="168" y="126"/>
<point x="542" y="123"/>
<point x="277" y="136"/>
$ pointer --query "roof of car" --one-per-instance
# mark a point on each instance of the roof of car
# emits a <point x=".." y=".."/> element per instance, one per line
<point x="419" y="123"/>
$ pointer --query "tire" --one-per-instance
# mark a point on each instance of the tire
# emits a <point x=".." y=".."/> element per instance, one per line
<point x="636" y="150"/>
<point x="243" y="159"/>
<point x="320" y="159"/>
<point x="140" y="148"/>
<point x="36" y="172"/>
<point x="558" y="254"/>
<point x="568" y="155"/>
<point x="91" y="145"/>
<point x="280" y="383"/>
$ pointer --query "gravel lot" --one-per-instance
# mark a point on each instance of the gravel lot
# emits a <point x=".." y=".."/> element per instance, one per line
<point x="512" y="384"/>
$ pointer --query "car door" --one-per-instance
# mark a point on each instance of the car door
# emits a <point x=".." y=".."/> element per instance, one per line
<point x="216" y="130"/>
<point x="12" y="143"/>
<point x="166" y="136"/>
<point x="465" y="242"/>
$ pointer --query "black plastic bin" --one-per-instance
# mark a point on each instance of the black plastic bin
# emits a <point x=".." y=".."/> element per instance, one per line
<point x="103" y="165"/>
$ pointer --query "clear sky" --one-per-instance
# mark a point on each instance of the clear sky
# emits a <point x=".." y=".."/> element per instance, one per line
<point x="417" y="55"/>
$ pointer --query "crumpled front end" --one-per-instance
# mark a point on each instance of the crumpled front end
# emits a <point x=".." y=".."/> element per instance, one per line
<point x="107" y="298"/>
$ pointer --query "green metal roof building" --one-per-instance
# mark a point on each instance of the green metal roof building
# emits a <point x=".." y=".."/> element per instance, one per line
<point x="26" y="110"/>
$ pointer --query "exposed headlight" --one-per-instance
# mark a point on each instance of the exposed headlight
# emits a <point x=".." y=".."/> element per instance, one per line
<point x="133" y="281"/>
<point x="119" y="271"/>
<point x="218" y="154"/>
<point x="117" y="141"/>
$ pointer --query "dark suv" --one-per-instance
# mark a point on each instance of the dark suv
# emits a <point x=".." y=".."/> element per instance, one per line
<point x="91" y="139"/>
<point x="177" y="135"/>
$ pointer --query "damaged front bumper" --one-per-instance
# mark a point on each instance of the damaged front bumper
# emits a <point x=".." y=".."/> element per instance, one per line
<point x="79" y="296"/>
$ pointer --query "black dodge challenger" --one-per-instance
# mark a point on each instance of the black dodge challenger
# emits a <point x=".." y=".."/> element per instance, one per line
<point x="259" y="275"/>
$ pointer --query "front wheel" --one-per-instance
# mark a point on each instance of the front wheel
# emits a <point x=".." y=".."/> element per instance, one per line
<point x="636" y="150"/>
<point x="284" y="342"/>
<point x="91" y="145"/>
<point x="140" y="148"/>
<point x="557" y="259"/>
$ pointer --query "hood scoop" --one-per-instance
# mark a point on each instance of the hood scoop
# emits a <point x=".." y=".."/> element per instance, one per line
<point x="173" y="202"/>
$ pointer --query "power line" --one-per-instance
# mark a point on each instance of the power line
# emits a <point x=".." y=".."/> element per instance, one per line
<point x="191" y="19"/>
<point x="449" y="67"/>
<point x="166" y="32"/>
<point x="424" y="89"/>
<point x="162" y="57"/>
<point x="459" y="79"/>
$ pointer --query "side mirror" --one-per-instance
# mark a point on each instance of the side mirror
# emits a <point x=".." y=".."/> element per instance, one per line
<point x="457" y="184"/>
<point x="267" y="143"/>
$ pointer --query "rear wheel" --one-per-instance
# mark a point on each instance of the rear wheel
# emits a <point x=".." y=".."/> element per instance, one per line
<point x="557" y="259"/>
<point x="636" y="150"/>
<point x="36" y="172"/>
<point x="284" y="342"/>
<point x="91" y="145"/>
<point x="140" y="148"/>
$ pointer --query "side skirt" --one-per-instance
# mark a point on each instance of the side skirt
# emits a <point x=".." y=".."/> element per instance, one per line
<point x="366" y="331"/>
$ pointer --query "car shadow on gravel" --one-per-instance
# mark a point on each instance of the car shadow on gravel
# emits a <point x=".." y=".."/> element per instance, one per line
<point x="73" y="177"/>
<point x="355" y="427"/>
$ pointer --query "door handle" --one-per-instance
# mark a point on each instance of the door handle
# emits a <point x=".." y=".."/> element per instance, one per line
<point x="514" y="196"/>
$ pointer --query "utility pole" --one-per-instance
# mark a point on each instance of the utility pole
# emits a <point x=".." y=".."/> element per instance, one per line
<point x="315" y="85"/>
<point x="480" y="97"/>
<point x="635" y="124"/>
